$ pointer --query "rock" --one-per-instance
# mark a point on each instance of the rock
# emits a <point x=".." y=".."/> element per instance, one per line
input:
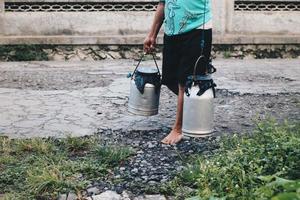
<point x="151" y="144"/>
<point x="62" y="197"/>
<point x="102" y="54"/>
<point x="164" y="180"/>
<point x="113" y="47"/>
<point x="119" y="189"/>
<point x="129" y="55"/>
<point x="134" y="170"/>
<point x="48" y="51"/>
<point x="57" y="57"/>
<point x="155" y="197"/>
<point x="270" y="105"/>
<point x="151" y="197"/>
<point x="152" y="183"/>
<point x="72" y="196"/>
<point x="125" y="196"/>
<point x="73" y="58"/>
<point x="114" y="55"/>
<point x="108" y="195"/>
<point x="93" y="191"/>
<point x="248" y="56"/>
<point x="81" y="54"/>
<point x="122" y="168"/>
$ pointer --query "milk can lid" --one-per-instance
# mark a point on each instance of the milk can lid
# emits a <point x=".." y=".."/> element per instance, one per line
<point x="147" y="70"/>
<point x="207" y="77"/>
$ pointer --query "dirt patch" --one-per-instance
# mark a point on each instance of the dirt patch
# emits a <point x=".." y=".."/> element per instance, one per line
<point x="53" y="80"/>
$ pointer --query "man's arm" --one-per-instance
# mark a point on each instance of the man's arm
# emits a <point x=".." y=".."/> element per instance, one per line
<point x="150" y="41"/>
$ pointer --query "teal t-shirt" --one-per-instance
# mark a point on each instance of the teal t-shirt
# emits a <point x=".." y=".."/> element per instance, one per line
<point x="182" y="16"/>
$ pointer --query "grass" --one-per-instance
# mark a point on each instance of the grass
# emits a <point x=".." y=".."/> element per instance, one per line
<point x="226" y="54"/>
<point x="45" y="168"/>
<point x="263" y="165"/>
<point x="23" y="52"/>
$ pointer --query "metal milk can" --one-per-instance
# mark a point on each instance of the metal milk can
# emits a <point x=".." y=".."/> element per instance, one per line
<point x="144" y="90"/>
<point x="198" y="107"/>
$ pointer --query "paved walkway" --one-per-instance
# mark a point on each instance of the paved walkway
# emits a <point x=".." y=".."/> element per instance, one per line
<point x="80" y="98"/>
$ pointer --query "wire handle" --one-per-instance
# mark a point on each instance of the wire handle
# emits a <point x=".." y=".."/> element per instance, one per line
<point x="140" y="60"/>
<point x="202" y="43"/>
<point x="195" y="67"/>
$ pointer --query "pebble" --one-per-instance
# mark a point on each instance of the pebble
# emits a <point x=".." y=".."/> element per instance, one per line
<point x="152" y="183"/>
<point x="107" y="195"/>
<point x="125" y="196"/>
<point x="151" y="144"/>
<point x="93" y="191"/>
<point x="122" y="168"/>
<point x="62" y="197"/>
<point x="134" y="170"/>
<point x="140" y="152"/>
<point x="150" y="197"/>
<point x="71" y="196"/>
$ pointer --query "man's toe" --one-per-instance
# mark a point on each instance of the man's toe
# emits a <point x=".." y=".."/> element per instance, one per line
<point x="165" y="140"/>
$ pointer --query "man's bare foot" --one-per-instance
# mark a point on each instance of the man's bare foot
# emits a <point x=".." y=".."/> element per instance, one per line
<point x="174" y="137"/>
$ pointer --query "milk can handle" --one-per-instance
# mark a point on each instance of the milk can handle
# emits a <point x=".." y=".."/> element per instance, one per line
<point x="195" y="67"/>
<point x="140" y="60"/>
<point x="202" y="43"/>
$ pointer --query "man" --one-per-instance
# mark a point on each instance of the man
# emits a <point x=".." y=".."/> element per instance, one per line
<point x="188" y="35"/>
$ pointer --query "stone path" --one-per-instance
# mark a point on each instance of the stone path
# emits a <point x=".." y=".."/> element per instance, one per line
<point x="41" y="99"/>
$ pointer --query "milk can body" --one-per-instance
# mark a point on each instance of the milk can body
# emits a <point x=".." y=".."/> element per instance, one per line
<point x="145" y="104"/>
<point x="198" y="113"/>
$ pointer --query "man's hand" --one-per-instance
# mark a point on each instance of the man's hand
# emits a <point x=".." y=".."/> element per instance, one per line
<point x="149" y="44"/>
<point x="150" y="40"/>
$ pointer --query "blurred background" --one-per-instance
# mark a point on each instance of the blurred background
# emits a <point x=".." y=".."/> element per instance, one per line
<point x="112" y="29"/>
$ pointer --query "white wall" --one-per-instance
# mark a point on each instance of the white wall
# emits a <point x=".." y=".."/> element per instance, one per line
<point x="130" y="27"/>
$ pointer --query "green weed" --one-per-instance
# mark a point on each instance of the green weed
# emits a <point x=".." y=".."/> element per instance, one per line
<point x="35" y="145"/>
<point x="50" y="181"/>
<point x="23" y="52"/>
<point x="112" y="155"/>
<point x="226" y="54"/>
<point x="45" y="168"/>
<point x="75" y="144"/>
<point x="236" y="170"/>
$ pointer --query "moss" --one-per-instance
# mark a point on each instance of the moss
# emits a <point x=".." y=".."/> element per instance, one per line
<point x="23" y="53"/>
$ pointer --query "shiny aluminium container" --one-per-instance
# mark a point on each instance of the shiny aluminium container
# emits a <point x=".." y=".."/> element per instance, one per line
<point x="145" y="87"/>
<point x="198" y="113"/>
<point x="145" y="104"/>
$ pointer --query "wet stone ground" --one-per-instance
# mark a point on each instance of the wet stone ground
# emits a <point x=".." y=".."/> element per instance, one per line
<point x="154" y="163"/>
<point x="56" y="99"/>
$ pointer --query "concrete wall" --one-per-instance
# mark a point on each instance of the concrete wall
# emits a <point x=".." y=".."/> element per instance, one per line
<point x="233" y="24"/>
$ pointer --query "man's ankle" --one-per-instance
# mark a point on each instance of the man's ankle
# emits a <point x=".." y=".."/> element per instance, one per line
<point x="177" y="129"/>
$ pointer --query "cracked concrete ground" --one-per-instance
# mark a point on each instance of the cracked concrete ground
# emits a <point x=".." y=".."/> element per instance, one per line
<point x="56" y="99"/>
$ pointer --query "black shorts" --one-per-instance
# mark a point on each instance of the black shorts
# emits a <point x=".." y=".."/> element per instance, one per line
<point x="180" y="53"/>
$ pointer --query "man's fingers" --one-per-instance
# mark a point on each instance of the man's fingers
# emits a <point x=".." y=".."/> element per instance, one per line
<point x="146" y="47"/>
<point x="149" y="46"/>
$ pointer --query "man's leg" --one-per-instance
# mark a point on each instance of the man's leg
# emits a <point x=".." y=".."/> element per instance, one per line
<point x="176" y="134"/>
